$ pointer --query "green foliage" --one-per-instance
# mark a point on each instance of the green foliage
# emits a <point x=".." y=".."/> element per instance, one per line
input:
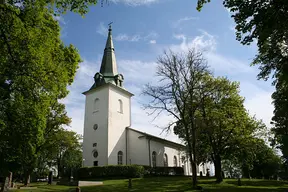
<point x="266" y="23"/>
<point x="222" y="122"/>
<point x="262" y="161"/>
<point x="111" y="171"/>
<point x="164" y="171"/>
<point x="57" y="6"/>
<point x="231" y="169"/>
<point x="36" y="68"/>
<point x="61" y="149"/>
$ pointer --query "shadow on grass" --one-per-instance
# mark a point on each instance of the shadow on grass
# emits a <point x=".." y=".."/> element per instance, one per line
<point x="175" y="184"/>
<point x="246" y="189"/>
<point x="147" y="184"/>
<point x="258" y="182"/>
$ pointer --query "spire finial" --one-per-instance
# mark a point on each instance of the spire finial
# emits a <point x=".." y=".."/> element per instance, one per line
<point x="110" y="26"/>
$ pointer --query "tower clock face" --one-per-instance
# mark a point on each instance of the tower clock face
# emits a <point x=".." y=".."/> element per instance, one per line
<point x="95" y="127"/>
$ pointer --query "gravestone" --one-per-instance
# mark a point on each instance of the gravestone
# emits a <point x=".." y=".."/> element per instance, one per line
<point x="50" y="178"/>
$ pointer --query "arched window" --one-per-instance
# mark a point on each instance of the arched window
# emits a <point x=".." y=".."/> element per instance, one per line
<point x="96" y="105"/>
<point x="175" y="161"/>
<point x="120" y="158"/>
<point x="154" y="159"/>
<point x="165" y="160"/>
<point x="120" y="106"/>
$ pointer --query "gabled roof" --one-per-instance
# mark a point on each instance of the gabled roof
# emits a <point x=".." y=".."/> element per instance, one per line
<point x="157" y="138"/>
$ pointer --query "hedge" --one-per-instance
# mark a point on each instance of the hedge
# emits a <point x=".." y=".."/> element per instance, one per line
<point x="163" y="171"/>
<point x="111" y="171"/>
<point x="126" y="171"/>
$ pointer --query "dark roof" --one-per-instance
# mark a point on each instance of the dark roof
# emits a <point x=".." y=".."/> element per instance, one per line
<point x="158" y="138"/>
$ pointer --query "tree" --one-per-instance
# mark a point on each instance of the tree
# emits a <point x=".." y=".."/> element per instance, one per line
<point x="66" y="143"/>
<point x="265" y="22"/>
<point x="71" y="161"/>
<point x="55" y="136"/>
<point x="263" y="160"/>
<point x="224" y="122"/>
<point x="62" y="149"/>
<point x="180" y="76"/>
<point x="36" y="67"/>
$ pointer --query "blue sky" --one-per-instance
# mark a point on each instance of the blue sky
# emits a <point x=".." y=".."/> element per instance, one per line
<point x="142" y="29"/>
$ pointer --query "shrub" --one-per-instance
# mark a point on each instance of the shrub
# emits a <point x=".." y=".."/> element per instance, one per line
<point x="111" y="171"/>
<point x="163" y="171"/>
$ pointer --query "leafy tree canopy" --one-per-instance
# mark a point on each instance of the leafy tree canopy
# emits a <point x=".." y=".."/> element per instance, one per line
<point x="266" y="23"/>
<point x="36" y="68"/>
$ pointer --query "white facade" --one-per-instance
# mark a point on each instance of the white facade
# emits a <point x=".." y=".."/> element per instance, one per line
<point x="107" y="114"/>
<point x="108" y="138"/>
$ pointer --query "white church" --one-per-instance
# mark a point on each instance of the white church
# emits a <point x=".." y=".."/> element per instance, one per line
<point x="108" y="137"/>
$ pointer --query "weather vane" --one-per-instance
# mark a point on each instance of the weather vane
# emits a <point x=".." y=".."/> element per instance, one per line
<point x="110" y="24"/>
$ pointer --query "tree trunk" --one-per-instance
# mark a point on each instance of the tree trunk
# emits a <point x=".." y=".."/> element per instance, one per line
<point x="192" y="162"/>
<point x="193" y="166"/>
<point x="218" y="169"/>
<point x="5" y="185"/>
<point x="58" y="168"/>
<point x="26" y="179"/>
<point x="10" y="179"/>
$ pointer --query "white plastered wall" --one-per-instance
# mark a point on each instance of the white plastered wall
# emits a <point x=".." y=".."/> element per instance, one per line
<point x="117" y="123"/>
<point x="99" y="136"/>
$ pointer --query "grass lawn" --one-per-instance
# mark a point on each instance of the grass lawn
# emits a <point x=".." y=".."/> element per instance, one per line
<point x="170" y="184"/>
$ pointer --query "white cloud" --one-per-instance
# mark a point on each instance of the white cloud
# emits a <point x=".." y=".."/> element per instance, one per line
<point x="187" y="19"/>
<point x="125" y="37"/>
<point x="152" y="41"/>
<point x="136" y="37"/>
<point x="208" y="45"/>
<point x="205" y="42"/>
<point x="258" y="101"/>
<point x="135" y="2"/>
<point x="180" y="21"/>
<point x="102" y="29"/>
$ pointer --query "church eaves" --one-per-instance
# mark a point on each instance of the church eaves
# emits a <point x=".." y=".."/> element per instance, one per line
<point x="108" y="70"/>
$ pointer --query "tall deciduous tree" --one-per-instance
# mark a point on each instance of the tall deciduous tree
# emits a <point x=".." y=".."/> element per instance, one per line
<point x="36" y="68"/>
<point x="177" y="93"/>
<point x="224" y="122"/>
<point x="266" y="22"/>
<point x="260" y="161"/>
<point x="221" y="120"/>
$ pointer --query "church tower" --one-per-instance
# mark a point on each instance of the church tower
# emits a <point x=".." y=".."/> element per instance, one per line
<point x="107" y="114"/>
